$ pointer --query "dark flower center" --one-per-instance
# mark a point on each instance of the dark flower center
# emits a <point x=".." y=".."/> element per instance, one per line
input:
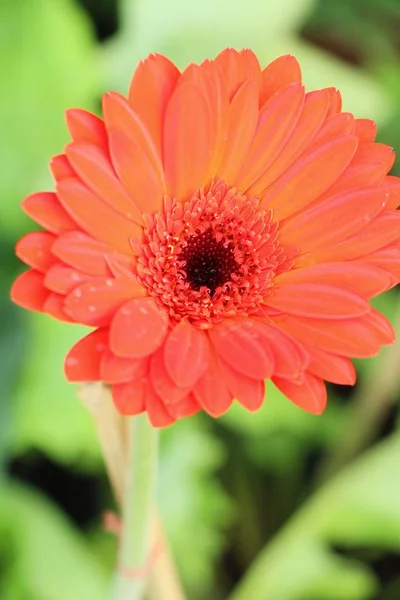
<point x="212" y="257"/>
<point x="208" y="263"/>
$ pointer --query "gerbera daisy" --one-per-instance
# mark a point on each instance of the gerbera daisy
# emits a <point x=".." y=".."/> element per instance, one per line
<point x="217" y="228"/>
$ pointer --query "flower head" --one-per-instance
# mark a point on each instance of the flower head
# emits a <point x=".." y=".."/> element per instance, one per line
<point x="217" y="228"/>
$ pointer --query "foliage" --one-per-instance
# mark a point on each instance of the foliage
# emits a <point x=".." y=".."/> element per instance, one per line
<point x="46" y="49"/>
<point x="358" y="508"/>
<point x="48" y="558"/>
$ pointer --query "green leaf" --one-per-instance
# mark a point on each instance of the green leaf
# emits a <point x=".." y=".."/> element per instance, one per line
<point x="392" y="592"/>
<point x="191" y="499"/>
<point x="359" y="507"/>
<point x="366" y="497"/>
<point x="278" y="435"/>
<point x="48" y="558"/>
<point x="49" y="416"/>
<point x="11" y="348"/>
<point x="46" y="53"/>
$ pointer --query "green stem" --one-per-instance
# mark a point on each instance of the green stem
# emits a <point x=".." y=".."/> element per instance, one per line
<point x="136" y="540"/>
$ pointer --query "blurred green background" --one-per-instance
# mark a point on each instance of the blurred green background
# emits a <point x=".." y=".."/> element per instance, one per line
<point x="313" y="503"/>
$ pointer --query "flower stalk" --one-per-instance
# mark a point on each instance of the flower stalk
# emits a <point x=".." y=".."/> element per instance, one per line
<point x="113" y="432"/>
<point x="137" y="537"/>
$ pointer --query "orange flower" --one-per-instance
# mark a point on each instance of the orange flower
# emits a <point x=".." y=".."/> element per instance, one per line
<point x="218" y="228"/>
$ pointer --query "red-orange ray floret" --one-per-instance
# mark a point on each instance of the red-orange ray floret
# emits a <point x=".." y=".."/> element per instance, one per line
<point x="218" y="227"/>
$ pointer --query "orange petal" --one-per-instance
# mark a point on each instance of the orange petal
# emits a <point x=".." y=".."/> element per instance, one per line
<point x="355" y="338"/>
<point x="357" y="177"/>
<point x="228" y="63"/>
<point x="280" y="73"/>
<point x="336" y="126"/>
<point x="54" y="306"/>
<point x="392" y="187"/>
<point x="186" y="354"/>
<point x="115" y="369"/>
<point x="156" y="410"/>
<point x="238" y="67"/>
<point x="335" y="101"/>
<point x="361" y="277"/>
<point x="129" y="398"/>
<point x="376" y="235"/>
<point x="93" y="166"/>
<point x="239" y="344"/>
<point x="250" y="67"/>
<point x="86" y="127"/>
<point x="138" y="328"/>
<point x="315" y="107"/>
<point x="122" y="265"/>
<point x="95" y="217"/>
<point x="299" y="186"/>
<point x="328" y="222"/>
<point x="61" y="168"/>
<point x="132" y="148"/>
<point x="96" y="301"/>
<point x="63" y="279"/>
<point x="187" y="141"/>
<point x="184" y="408"/>
<point x="219" y="108"/>
<point x="392" y="181"/>
<point x="46" y="210"/>
<point x="387" y="259"/>
<point x="382" y="328"/>
<point x="242" y="123"/>
<point x="35" y="250"/>
<point x="370" y="153"/>
<point x="365" y="130"/>
<point x="333" y="368"/>
<point x="290" y="359"/>
<point x="162" y="383"/>
<point x="249" y="392"/>
<point x="151" y="87"/>
<point x="276" y="123"/>
<point x="211" y="390"/>
<point x="29" y="292"/>
<point x="83" y="360"/>
<point x="317" y="300"/>
<point x="82" y="252"/>
<point x="310" y="394"/>
<point x="137" y="174"/>
<point x="208" y="78"/>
